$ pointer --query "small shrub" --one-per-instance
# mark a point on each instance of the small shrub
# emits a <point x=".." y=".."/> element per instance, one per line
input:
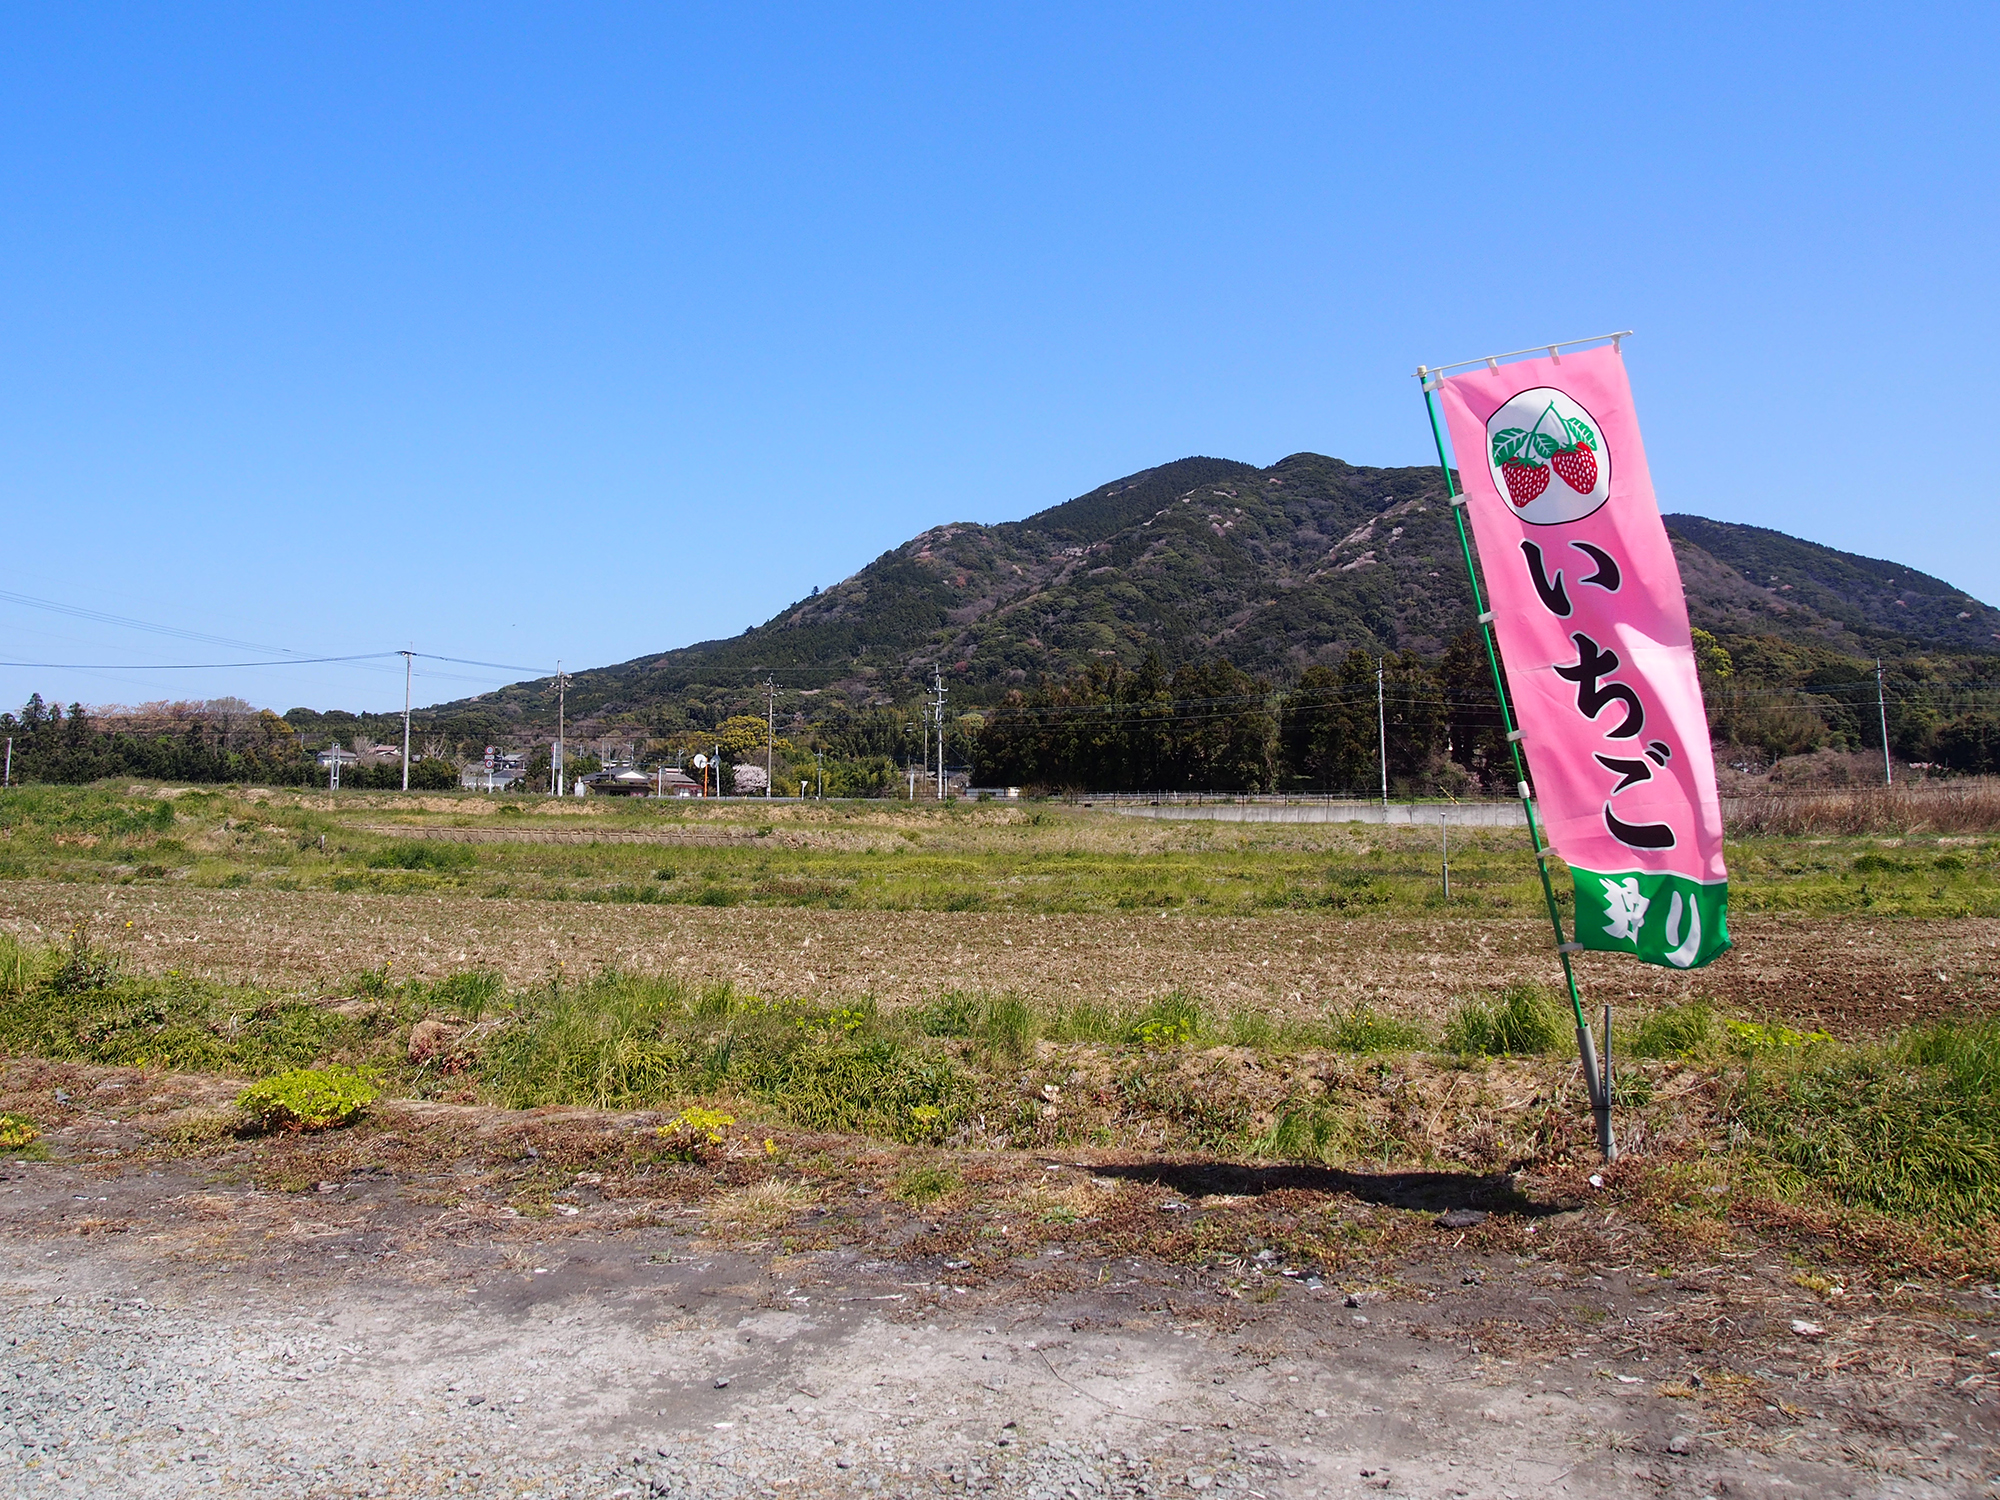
<point x="307" y="1099"/>
<point x="1881" y="864"/>
<point x="1525" y="1020"/>
<point x="82" y="969"/>
<point x="696" y="1132"/>
<point x="17" y="1131"/>
<point x="926" y="1184"/>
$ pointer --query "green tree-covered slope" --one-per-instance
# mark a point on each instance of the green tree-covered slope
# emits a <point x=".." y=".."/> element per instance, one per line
<point x="1274" y="569"/>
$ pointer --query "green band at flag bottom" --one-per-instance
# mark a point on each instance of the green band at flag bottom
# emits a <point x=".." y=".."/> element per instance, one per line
<point x="1659" y="919"/>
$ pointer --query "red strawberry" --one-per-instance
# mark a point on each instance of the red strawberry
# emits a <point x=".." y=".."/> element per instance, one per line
<point x="1524" y="480"/>
<point x="1577" y="465"/>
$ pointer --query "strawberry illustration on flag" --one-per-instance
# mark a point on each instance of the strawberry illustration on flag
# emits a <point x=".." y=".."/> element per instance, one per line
<point x="1568" y="445"/>
<point x="1578" y="462"/>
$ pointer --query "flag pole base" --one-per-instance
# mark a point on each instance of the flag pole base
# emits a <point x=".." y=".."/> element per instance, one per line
<point x="1598" y="1084"/>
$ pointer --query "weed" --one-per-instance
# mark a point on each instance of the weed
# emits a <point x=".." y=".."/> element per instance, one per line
<point x="307" y="1099"/>
<point x="1526" y="1019"/>
<point x="954" y="1014"/>
<point x="82" y="969"/>
<point x="1749" y="1037"/>
<point x="1307" y="1130"/>
<point x="926" y="1183"/>
<point x="1007" y="1027"/>
<point x="17" y="1131"/>
<point x="201" y="1127"/>
<point x="468" y="994"/>
<point x="1171" y="1021"/>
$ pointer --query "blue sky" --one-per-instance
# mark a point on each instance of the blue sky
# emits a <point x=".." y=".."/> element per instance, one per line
<point x="520" y="333"/>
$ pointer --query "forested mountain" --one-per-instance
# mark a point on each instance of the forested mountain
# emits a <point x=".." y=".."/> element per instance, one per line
<point x="1274" y="570"/>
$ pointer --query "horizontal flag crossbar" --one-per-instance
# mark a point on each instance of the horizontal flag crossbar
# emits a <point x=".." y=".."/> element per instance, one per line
<point x="1494" y="359"/>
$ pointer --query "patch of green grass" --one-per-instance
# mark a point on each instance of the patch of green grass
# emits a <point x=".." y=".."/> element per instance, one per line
<point x="1309" y="1131"/>
<point x="622" y="1041"/>
<point x="1910" y="1129"/>
<point x="925" y="1183"/>
<point x="468" y="994"/>
<point x="173" y="1022"/>
<point x="1525" y="1019"/>
<point x="1363" y="1029"/>
<point x="424" y="854"/>
<point x="1675" y="1031"/>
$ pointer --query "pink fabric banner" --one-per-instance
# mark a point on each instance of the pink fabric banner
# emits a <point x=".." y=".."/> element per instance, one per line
<point x="1593" y="629"/>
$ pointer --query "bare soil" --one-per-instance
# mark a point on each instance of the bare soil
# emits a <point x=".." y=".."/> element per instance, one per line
<point x="1852" y="976"/>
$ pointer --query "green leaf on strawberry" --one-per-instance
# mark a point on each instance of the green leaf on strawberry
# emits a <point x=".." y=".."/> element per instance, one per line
<point x="1579" y="432"/>
<point x="1543" y="445"/>
<point x="1508" y="443"/>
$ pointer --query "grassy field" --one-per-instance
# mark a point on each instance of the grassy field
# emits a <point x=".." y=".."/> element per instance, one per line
<point x="890" y="857"/>
<point x="946" y="982"/>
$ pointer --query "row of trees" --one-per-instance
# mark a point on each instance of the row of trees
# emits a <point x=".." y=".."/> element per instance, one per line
<point x="226" y="741"/>
<point x="52" y="746"/>
<point x="1213" y="727"/>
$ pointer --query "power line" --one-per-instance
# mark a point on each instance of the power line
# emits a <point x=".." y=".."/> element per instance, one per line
<point x="190" y="666"/>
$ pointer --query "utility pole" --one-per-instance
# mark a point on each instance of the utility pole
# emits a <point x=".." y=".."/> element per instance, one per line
<point x="556" y="777"/>
<point x="1882" y="712"/>
<point x="409" y="659"/>
<point x="770" y="733"/>
<point x="1382" y="730"/>
<point x="819" y="766"/>
<point x="10" y="761"/>
<point x="937" y="676"/>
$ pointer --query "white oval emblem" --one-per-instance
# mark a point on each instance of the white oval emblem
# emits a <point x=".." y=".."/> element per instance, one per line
<point x="1547" y="456"/>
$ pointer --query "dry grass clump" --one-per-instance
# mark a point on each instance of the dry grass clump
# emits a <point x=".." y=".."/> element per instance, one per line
<point x="759" y="1207"/>
<point x="1960" y="805"/>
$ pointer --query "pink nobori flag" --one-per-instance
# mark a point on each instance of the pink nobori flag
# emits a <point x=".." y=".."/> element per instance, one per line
<point x="1593" y="629"/>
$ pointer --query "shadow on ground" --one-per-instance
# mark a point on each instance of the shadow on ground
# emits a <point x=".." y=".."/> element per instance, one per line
<point x="1424" y="1192"/>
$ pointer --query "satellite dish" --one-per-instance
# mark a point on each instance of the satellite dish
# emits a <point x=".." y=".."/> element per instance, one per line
<point x="701" y="762"/>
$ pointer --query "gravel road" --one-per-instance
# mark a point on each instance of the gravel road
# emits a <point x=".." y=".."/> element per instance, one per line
<point x="244" y="1346"/>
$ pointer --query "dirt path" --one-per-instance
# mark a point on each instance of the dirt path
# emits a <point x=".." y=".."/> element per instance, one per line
<point x="170" y="1335"/>
<point x="1853" y="976"/>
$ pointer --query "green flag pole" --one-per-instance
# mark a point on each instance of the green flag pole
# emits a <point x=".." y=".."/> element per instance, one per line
<point x="1596" y="1079"/>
